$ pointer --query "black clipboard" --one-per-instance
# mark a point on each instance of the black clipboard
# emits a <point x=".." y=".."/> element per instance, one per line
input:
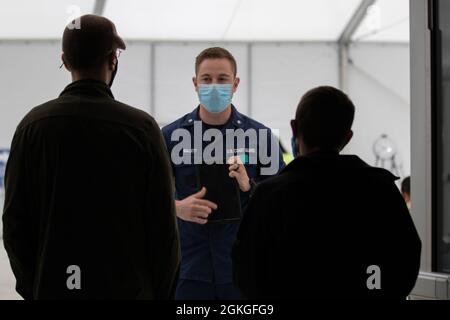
<point x="222" y="190"/>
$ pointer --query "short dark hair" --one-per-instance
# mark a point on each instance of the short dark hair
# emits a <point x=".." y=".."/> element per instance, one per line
<point x="406" y="185"/>
<point x="324" y="117"/>
<point x="215" y="53"/>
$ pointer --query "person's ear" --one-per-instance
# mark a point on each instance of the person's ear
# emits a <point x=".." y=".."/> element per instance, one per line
<point x="406" y="197"/>
<point x="294" y="128"/>
<point x="194" y="81"/>
<point x="64" y="62"/>
<point x="348" y="137"/>
<point x="236" y="84"/>
<point x="112" y="61"/>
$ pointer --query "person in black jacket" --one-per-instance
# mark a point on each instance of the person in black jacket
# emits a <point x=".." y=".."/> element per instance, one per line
<point x="330" y="225"/>
<point x="89" y="209"/>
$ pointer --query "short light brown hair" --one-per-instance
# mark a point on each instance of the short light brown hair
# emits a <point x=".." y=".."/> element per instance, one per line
<point x="215" y="53"/>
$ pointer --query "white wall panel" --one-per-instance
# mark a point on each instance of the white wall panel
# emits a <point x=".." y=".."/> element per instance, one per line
<point x="29" y="76"/>
<point x="133" y="80"/>
<point x="379" y="87"/>
<point x="282" y="74"/>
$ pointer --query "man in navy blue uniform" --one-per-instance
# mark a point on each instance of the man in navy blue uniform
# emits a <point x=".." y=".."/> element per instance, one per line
<point x="206" y="270"/>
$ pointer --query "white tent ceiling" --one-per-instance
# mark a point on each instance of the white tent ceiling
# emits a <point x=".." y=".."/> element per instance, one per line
<point x="387" y="20"/>
<point x="212" y="20"/>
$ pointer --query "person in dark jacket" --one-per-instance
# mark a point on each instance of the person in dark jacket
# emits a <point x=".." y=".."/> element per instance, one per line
<point x="330" y="225"/>
<point x="206" y="267"/>
<point x="89" y="209"/>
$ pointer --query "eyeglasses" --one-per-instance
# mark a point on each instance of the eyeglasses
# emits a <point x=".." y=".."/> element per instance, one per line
<point x="118" y="52"/>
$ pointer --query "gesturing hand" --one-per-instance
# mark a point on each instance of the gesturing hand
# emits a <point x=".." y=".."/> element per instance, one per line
<point x="194" y="208"/>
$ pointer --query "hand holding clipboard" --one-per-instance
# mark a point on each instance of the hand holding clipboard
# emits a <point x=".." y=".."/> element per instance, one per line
<point x="222" y="190"/>
<point x="219" y="197"/>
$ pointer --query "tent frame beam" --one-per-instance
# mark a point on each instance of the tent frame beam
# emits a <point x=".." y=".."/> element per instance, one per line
<point x="99" y="7"/>
<point x="346" y="38"/>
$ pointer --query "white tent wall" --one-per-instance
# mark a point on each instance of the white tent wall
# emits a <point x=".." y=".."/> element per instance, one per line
<point x="273" y="78"/>
<point x="281" y="74"/>
<point x="29" y="75"/>
<point x="378" y="83"/>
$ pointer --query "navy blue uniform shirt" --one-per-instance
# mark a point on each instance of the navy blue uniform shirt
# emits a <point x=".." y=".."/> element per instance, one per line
<point x="206" y="249"/>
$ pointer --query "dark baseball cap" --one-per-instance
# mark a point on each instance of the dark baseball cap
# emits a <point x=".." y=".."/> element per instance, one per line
<point x="88" y="40"/>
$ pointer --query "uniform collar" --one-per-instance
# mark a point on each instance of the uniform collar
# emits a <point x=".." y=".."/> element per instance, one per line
<point x="88" y="87"/>
<point x="236" y="118"/>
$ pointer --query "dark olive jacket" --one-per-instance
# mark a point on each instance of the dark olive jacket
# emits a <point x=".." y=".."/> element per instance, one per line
<point x="89" y="210"/>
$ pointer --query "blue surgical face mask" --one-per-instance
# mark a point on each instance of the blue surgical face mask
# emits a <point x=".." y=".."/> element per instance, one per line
<point x="215" y="97"/>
